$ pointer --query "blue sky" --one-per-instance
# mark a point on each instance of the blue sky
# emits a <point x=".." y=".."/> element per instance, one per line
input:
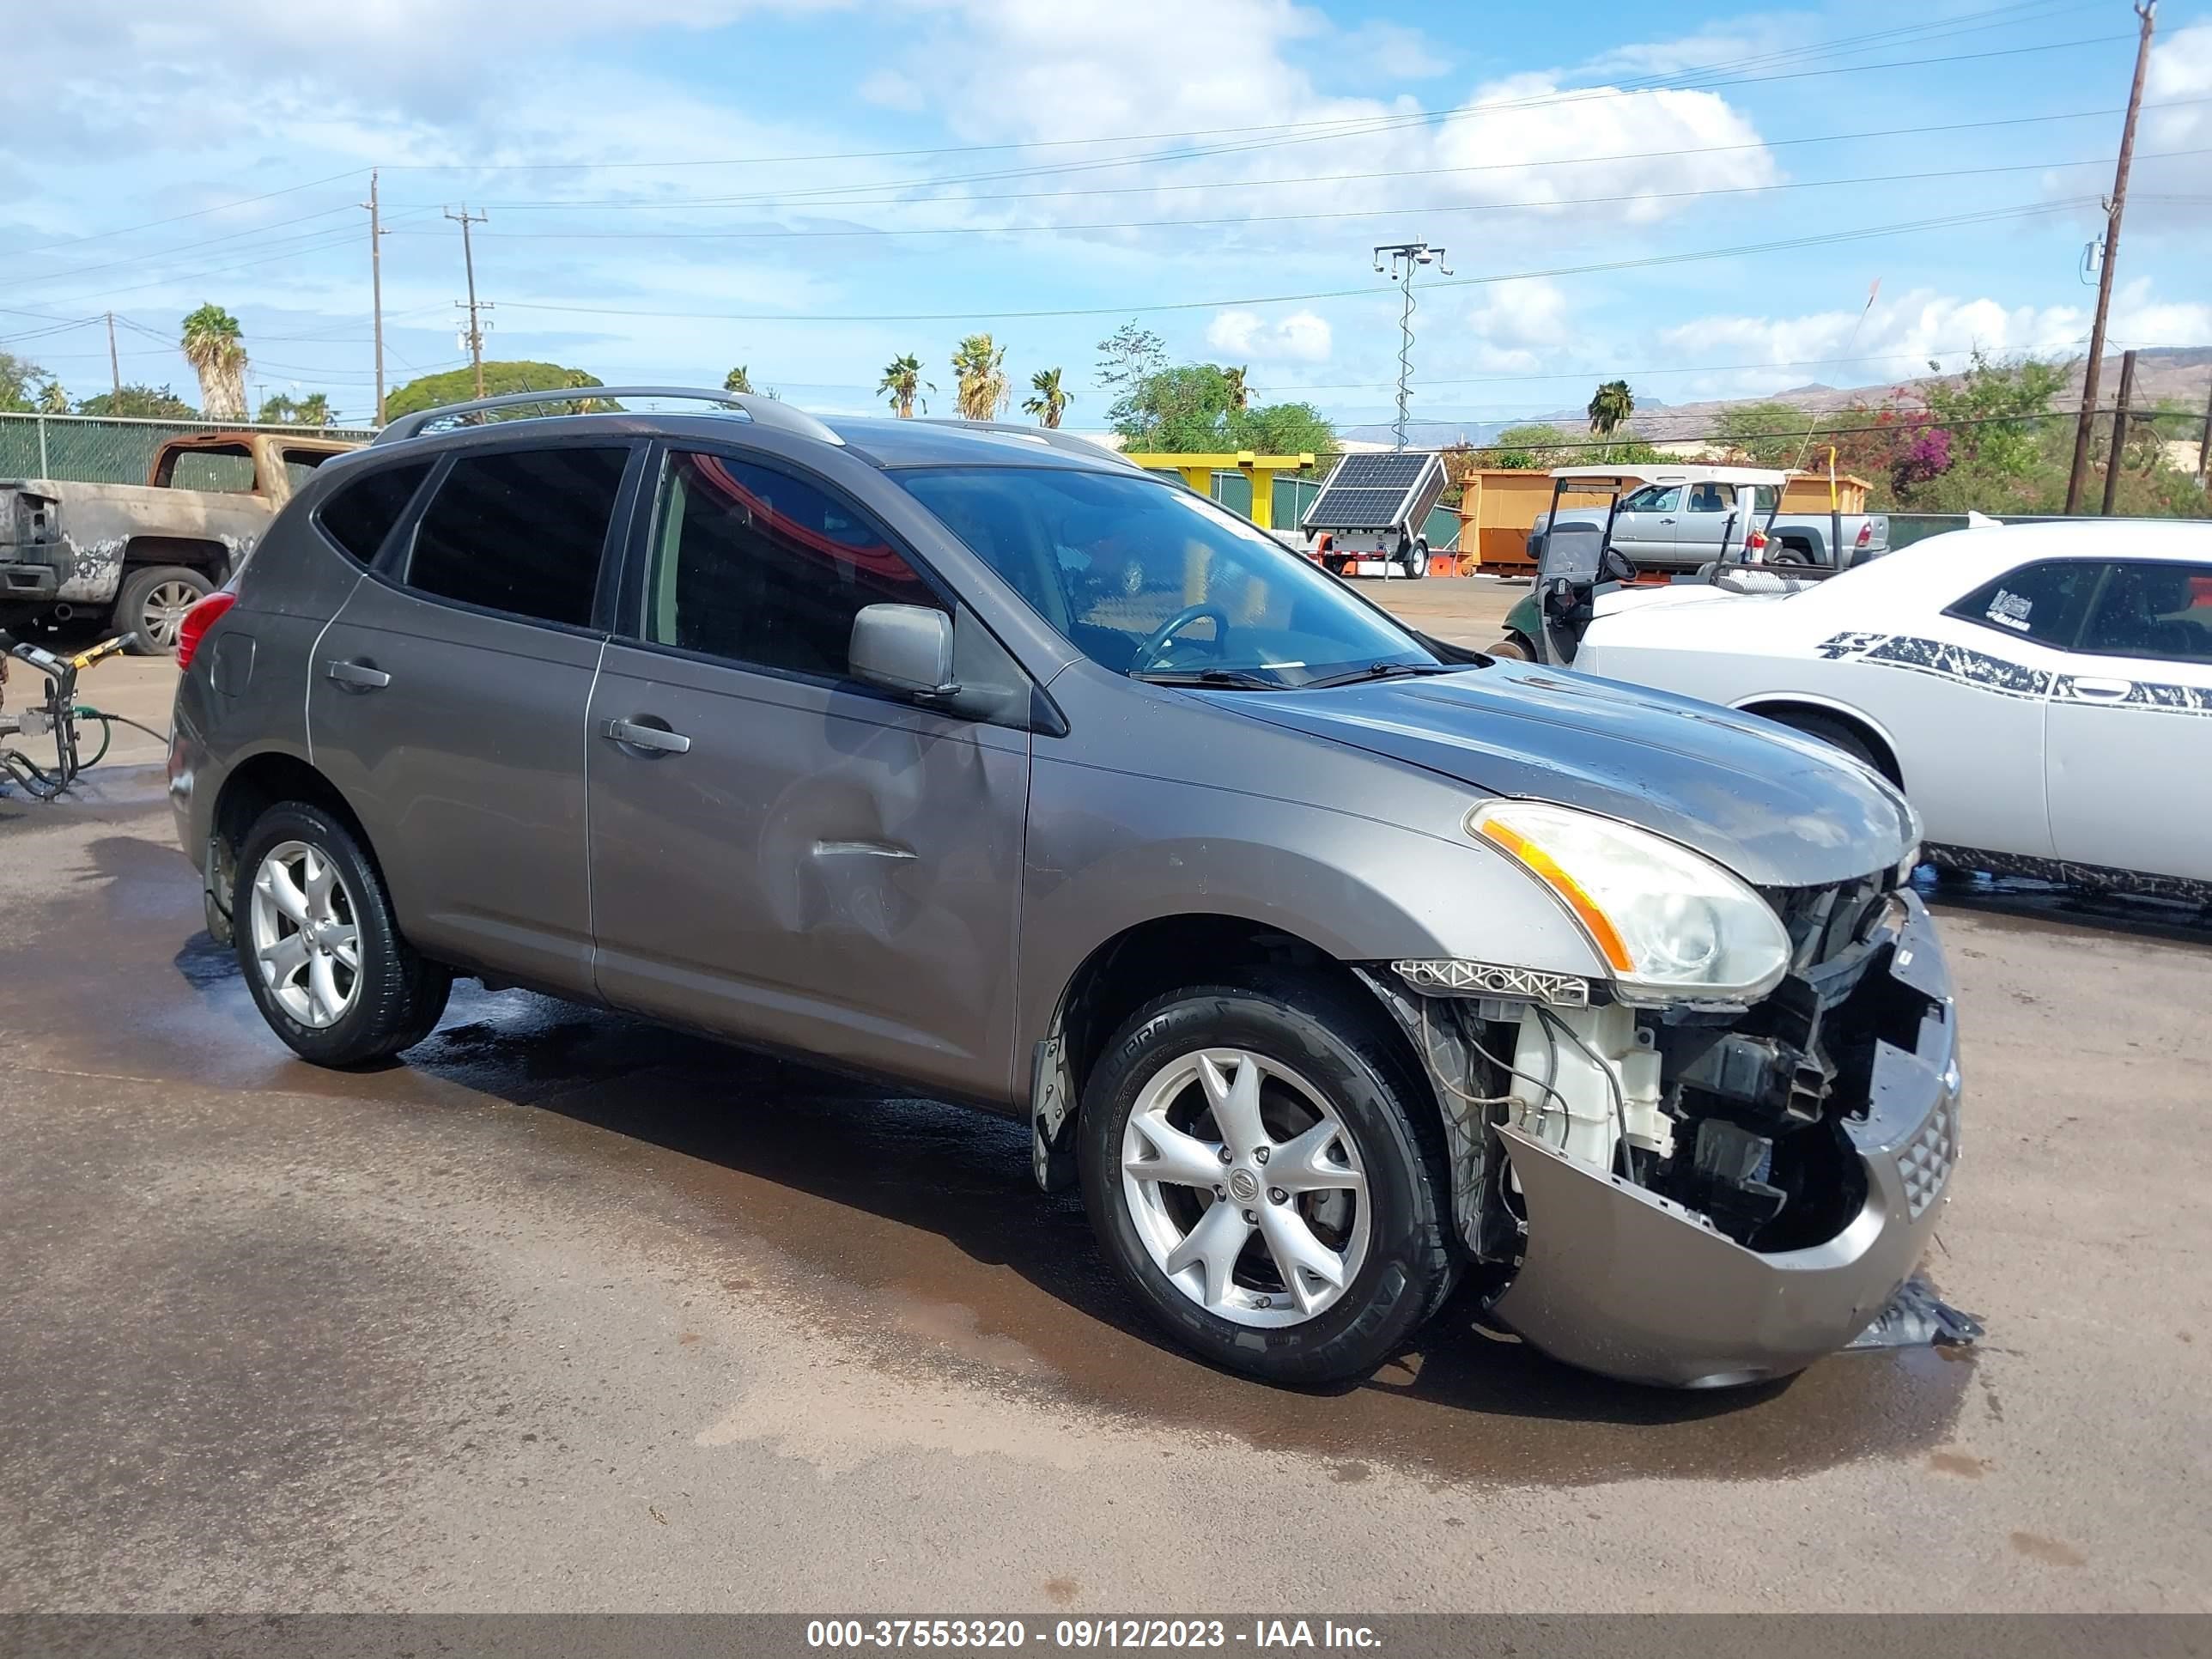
<point x="811" y="187"/>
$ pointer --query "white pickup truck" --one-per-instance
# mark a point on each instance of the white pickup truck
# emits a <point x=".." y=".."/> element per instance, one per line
<point x="1681" y="523"/>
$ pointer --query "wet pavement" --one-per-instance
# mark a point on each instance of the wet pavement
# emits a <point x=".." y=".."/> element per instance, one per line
<point x="570" y="1310"/>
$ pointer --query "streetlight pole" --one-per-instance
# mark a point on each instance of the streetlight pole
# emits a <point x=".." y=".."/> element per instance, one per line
<point x="1404" y="258"/>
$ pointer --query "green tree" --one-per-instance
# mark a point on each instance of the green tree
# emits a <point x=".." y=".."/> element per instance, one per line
<point x="17" y="377"/>
<point x="53" y="399"/>
<point x="214" y="346"/>
<point x="737" y="380"/>
<point x="980" y="380"/>
<point x="1535" y="448"/>
<point x="1050" y="401"/>
<point x="1282" y="429"/>
<point x="1191" y="410"/>
<point x="1240" y="394"/>
<point x="457" y="386"/>
<point x="1766" y="434"/>
<point x="903" y="385"/>
<point x="1127" y="357"/>
<point x="1610" y="406"/>
<point x="314" y="409"/>
<point x="139" y="402"/>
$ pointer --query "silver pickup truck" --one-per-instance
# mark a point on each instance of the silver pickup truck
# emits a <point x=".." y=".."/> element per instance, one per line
<point x="142" y="555"/>
<point x="1681" y="524"/>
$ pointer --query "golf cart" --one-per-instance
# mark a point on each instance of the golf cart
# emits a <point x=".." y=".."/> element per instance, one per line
<point x="1585" y="551"/>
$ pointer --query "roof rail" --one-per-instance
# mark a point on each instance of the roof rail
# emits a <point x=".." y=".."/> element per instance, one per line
<point x="1051" y="437"/>
<point x="763" y="411"/>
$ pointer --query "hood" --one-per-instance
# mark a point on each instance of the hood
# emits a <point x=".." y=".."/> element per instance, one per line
<point x="1778" y="809"/>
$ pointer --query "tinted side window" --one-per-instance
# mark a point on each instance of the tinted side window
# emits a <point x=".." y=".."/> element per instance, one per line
<point x="360" y="515"/>
<point x="2040" y="602"/>
<point x="1653" y="498"/>
<point x="2162" y="611"/>
<point x="1711" y="498"/>
<point x="520" y="531"/>
<point x="758" y="566"/>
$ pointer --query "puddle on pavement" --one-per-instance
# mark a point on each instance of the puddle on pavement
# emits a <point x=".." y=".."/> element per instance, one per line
<point x="913" y="1229"/>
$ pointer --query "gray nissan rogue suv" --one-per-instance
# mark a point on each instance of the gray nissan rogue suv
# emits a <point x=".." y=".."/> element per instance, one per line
<point x="1335" y="963"/>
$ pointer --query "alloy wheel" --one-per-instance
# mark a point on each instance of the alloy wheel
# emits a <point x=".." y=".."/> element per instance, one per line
<point x="1246" y="1187"/>
<point x="162" y="614"/>
<point x="305" y="938"/>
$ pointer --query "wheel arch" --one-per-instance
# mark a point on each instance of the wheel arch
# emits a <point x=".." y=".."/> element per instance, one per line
<point x="1146" y="959"/>
<point x="1773" y="705"/>
<point x="208" y="556"/>
<point x="251" y="787"/>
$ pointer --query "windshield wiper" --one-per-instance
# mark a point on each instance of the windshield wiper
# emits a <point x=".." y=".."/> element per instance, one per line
<point x="1235" y="679"/>
<point x="1382" y="670"/>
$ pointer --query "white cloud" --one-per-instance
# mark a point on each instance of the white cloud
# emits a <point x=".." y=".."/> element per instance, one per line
<point x="1517" y="327"/>
<point x="1300" y="337"/>
<point x="1902" y="335"/>
<point x="1388" y="51"/>
<point x="889" y="90"/>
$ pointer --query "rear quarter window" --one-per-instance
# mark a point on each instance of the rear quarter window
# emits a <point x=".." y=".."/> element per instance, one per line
<point x="359" y="517"/>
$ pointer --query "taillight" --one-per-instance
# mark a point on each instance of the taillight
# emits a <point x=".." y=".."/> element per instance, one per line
<point x="197" y="619"/>
<point x="1865" y="532"/>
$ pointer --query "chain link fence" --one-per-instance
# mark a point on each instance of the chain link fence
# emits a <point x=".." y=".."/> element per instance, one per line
<point x="96" y="449"/>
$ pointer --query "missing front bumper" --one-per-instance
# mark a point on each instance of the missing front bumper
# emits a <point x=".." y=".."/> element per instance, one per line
<point x="1617" y="1279"/>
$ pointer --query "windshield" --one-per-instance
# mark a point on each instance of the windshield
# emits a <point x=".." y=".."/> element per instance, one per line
<point x="1145" y="578"/>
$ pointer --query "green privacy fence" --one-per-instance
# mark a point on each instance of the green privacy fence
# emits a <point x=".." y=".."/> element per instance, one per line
<point x="92" y="449"/>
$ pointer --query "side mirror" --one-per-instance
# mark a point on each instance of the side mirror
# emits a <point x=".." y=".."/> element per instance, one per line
<point x="907" y="648"/>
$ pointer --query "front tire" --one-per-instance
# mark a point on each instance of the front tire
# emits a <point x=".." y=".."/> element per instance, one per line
<point x="323" y="958"/>
<point x="1415" y="560"/>
<point x="1267" y="1180"/>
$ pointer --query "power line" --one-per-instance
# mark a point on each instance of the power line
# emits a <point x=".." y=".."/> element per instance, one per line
<point x="634" y="205"/>
<point x="1984" y="217"/>
<point x="784" y="233"/>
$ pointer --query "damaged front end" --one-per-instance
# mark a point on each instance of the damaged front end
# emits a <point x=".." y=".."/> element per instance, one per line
<point x="1702" y="1195"/>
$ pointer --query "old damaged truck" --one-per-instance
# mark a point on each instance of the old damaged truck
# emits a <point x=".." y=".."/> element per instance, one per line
<point x="140" y="555"/>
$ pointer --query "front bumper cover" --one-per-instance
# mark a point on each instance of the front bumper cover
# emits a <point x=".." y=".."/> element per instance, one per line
<point x="1619" y="1280"/>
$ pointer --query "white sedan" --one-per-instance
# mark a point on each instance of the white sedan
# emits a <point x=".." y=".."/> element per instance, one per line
<point x="2042" y="693"/>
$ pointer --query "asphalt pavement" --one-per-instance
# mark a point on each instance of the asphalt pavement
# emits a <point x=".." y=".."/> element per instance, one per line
<point x="566" y="1311"/>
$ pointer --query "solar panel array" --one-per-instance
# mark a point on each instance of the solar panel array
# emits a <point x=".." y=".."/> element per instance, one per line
<point x="1367" y="491"/>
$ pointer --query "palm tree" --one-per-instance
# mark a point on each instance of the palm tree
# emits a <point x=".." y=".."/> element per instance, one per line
<point x="1240" y="395"/>
<point x="1050" y="401"/>
<point x="903" y="383"/>
<point x="314" y="410"/>
<point x="1611" y="404"/>
<point x="738" y="381"/>
<point x="52" y="399"/>
<point x="216" y="350"/>
<point x="981" y="383"/>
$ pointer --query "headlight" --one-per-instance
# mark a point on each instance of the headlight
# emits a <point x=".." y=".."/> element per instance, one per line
<point x="1669" y="923"/>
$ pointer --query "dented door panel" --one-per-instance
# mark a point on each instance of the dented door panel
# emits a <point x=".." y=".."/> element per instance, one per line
<point x="816" y="868"/>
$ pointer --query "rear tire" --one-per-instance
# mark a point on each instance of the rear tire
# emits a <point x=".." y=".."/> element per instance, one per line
<point x="1836" y="734"/>
<point x="1317" y="1268"/>
<point x="1417" y="560"/>
<point x="323" y="958"/>
<point x="152" y="605"/>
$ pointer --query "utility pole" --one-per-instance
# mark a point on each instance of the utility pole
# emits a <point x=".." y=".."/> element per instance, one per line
<point x="376" y="287"/>
<point x="464" y="219"/>
<point x="1406" y="257"/>
<point x="2119" y="430"/>
<point x="2204" y="442"/>
<point x="114" y="364"/>
<point x="2114" y="206"/>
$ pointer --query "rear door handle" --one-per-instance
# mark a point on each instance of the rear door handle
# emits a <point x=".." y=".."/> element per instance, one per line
<point x="2102" y="690"/>
<point x="655" y="739"/>
<point x="359" y="675"/>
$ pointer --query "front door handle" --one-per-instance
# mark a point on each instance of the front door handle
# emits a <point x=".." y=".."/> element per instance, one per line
<point x="2102" y="690"/>
<point x="359" y="676"/>
<point x="653" y="739"/>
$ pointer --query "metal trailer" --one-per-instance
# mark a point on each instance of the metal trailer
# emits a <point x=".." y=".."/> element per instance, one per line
<point x="1369" y="518"/>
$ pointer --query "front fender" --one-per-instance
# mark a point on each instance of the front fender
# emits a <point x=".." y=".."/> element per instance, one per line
<point x="1109" y="852"/>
